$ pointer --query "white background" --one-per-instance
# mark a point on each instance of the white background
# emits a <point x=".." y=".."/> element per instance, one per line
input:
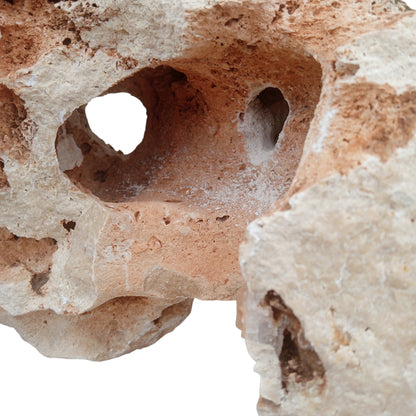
<point x="200" y="369"/>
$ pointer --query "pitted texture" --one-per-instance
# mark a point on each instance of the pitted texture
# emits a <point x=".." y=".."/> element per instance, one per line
<point x="299" y="116"/>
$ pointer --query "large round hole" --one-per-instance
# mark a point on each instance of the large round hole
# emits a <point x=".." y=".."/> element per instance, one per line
<point x="117" y="119"/>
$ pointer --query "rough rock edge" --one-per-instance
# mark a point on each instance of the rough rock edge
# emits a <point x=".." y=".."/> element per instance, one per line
<point x="117" y="327"/>
<point x="340" y="254"/>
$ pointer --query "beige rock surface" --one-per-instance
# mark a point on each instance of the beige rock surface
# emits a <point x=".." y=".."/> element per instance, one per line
<point x="297" y="115"/>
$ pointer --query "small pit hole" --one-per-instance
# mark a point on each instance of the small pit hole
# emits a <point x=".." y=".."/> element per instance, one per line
<point x="100" y="176"/>
<point x="223" y="218"/>
<point x="69" y="225"/>
<point x="118" y="119"/>
<point x="38" y="281"/>
<point x="85" y="148"/>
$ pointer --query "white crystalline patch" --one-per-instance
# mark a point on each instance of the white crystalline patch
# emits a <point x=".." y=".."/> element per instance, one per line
<point x="32" y="80"/>
<point x="324" y="124"/>
<point x="69" y="154"/>
<point x="61" y="113"/>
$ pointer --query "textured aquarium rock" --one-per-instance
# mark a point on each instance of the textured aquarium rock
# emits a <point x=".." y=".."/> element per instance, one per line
<point x="277" y="167"/>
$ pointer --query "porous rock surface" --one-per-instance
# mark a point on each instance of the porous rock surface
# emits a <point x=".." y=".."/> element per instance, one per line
<point x="277" y="167"/>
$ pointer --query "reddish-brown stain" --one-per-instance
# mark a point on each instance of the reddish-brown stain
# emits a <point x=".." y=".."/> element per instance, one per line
<point x="16" y="129"/>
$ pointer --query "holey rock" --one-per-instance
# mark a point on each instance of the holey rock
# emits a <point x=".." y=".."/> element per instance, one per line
<point x="278" y="166"/>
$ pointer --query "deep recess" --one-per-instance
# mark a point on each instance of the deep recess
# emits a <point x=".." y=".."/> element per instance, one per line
<point x="299" y="362"/>
<point x="209" y="162"/>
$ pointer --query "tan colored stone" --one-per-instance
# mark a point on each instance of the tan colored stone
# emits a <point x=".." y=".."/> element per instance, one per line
<point x="299" y="116"/>
<point x="117" y="327"/>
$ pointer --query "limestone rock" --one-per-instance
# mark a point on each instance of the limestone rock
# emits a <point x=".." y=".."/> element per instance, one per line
<point x="117" y="327"/>
<point x="290" y="124"/>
